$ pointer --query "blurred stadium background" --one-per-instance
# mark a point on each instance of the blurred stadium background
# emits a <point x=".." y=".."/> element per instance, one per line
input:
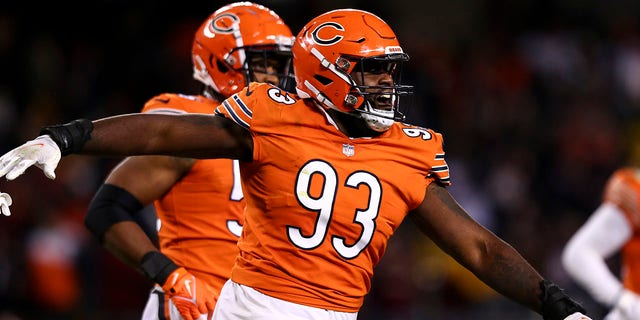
<point x="538" y="101"/>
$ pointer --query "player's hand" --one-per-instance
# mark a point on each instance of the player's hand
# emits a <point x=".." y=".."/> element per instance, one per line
<point x="191" y="296"/>
<point x="42" y="152"/>
<point x="5" y="202"/>
<point x="577" y="316"/>
<point x="628" y="305"/>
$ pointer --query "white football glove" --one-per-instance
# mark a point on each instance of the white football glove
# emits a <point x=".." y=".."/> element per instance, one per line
<point x="42" y="152"/>
<point x="627" y="307"/>
<point x="5" y="202"/>
<point x="577" y="316"/>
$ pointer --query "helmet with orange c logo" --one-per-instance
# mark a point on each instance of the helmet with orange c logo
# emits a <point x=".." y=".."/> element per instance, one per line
<point x="335" y="44"/>
<point x="231" y="38"/>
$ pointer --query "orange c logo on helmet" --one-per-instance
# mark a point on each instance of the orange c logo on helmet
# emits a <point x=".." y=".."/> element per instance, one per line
<point x="224" y="23"/>
<point x="327" y="41"/>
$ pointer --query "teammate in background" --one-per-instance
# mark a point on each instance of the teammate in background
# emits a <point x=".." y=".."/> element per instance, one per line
<point x="614" y="227"/>
<point x="328" y="175"/>
<point x="199" y="203"/>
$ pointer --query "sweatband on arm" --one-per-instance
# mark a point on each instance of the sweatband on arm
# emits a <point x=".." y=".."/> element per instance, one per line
<point x="110" y="205"/>
<point x="70" y="137"/>
<point x="157" y="267"/>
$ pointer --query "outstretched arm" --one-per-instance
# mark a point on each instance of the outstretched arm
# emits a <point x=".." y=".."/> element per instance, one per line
<point x="188" y="135"/>
<point x="490" y="258"/>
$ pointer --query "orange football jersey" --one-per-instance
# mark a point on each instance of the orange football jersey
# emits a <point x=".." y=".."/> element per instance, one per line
<point x="321" y="206"/>
<point x="623" y="189"/>
<point x="201" y="216"/>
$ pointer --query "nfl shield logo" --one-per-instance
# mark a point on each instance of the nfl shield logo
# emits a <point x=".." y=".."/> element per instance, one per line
<point x="348" y="150"/>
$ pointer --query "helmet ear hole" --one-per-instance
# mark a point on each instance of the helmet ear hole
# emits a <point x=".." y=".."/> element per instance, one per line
<point x="221" y="66"/>
<point x="323" y="80"/>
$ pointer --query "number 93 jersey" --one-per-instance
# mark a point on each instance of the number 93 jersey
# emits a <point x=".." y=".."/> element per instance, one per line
<point x="321" y="206"/>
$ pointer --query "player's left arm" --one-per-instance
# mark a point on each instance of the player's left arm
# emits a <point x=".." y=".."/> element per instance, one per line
<point x="490" y="258"/>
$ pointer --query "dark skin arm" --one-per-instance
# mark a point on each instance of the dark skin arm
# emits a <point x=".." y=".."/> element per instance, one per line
<point x="147" y="178"/>
<point x="128" y="242"/>
<point x="491" y="259"/>
<point x="187" y="135"/>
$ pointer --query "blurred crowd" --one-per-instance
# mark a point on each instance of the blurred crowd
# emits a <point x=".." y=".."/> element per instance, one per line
<point x="538" y="102"/>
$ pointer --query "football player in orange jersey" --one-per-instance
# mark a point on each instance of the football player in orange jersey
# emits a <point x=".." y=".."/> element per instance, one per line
<point x="328" y="176"/>
<point x="199" y="203"/>
<point x="614" y="227"/>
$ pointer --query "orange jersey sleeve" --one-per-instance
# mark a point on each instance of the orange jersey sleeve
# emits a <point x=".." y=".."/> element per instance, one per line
<point x="321" y="206"/>
<point x="623" y="190"/>
<point x="201" y="216"/>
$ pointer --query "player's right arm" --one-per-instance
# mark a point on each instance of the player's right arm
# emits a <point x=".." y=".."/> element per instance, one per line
<point x="185" y="135"/>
